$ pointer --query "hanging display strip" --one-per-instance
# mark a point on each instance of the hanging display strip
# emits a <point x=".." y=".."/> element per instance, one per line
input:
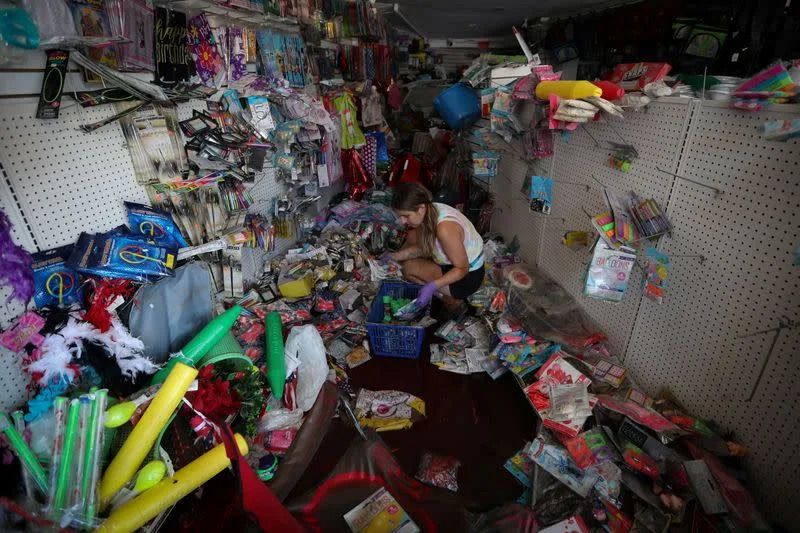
<point x="747" y="282"/>
<point x="65" y="180"/>
<point x="582" y="159"/>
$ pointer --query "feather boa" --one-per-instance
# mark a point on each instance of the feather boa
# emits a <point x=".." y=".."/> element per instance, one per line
<point x="60" y="350"/>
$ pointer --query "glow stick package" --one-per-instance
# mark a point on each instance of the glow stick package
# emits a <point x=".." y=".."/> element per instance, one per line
<point x="122" y="256"/>
<point x="55" y="282"/>
<point x="156" y="226"/>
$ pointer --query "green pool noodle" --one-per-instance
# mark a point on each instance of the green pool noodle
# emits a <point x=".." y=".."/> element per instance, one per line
<point x="201" y="343"/>
<point x="276" y="364"/>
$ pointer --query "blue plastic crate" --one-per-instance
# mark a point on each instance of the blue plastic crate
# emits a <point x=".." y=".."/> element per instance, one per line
<point x="393" y="340"/>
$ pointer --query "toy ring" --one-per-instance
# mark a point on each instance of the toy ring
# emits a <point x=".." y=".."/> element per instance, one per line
<point x="66" y="283"/>
<point x="150" y="228"/>
<point x="136" y="255"/>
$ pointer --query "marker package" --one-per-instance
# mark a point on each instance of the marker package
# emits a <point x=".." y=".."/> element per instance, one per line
<point x="122" y="256"/>
<point x="55" y="282"/>
<point x="156" y="226"/>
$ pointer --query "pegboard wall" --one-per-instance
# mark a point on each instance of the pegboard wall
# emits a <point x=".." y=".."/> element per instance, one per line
<point x="64" y="179"/>
<point x="732" y="272"/>
<point x="58" y="181"/>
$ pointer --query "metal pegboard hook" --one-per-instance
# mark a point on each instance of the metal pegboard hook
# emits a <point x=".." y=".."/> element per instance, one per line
<point x="717" y="192"/>
<point x="700" y="257"/>
<point x="586" y="130"/>
<point x="784" y="322"/>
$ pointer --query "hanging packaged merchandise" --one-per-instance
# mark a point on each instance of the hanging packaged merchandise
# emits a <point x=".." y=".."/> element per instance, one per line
<point x="368" y="156"/>
<point x="205" y="51"/>
<point x="235" y="47"/>
<point x="381" y="152"/>
<point x="117" y="256"/>
<point x="487" y="99"/>
<point x="656" y="271"/>
<point x="102" y="96"/>
<point x="133" y="21"/>
<point x="351" y="135"/>
<point x="55" y="283"/>
<point x="154" y="225"/>
<point x="484" y="164"/>
<point x="371" y="109"/>
<point x="172" y="61"/>
<point x="152" y="134"/>
<point x="501" y="109"/>
<point x="92" y="21"/>
<point x="261" y="116"/>
<point x="55" y="71"/>
<point x="609" y="272"/>
<point x="541" y="194"/>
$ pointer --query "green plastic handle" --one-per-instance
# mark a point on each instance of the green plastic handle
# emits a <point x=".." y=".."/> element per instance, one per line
<point x="276" y="364"/>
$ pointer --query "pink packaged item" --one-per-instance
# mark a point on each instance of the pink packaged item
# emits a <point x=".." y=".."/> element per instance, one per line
<point x="557" y="371"/>
<point x="640" y="414"/>
<point x="639" y="74"/>
<point x="24" y="331"/>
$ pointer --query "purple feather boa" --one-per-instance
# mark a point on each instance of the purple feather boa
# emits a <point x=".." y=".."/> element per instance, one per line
<point x="15" y="264"/>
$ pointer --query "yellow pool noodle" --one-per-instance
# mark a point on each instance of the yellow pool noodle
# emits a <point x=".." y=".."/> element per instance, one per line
<point x="146" y="506"/>
<point x="139" y="443"/>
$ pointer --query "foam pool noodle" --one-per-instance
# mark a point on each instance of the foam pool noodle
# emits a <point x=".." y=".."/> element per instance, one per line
<point x="144" y="507"/>
<point x="201" y="343"/>
<point x="139" y="443"/>
<point x="276" y="364"/>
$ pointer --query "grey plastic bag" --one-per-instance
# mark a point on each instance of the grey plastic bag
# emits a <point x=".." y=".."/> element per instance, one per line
<point x="167" y="314"/>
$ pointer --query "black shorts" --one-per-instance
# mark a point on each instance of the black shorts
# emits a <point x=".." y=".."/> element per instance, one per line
<point x="466" y="285"/>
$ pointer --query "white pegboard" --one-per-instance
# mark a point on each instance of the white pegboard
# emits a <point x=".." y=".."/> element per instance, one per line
<point x="747" y="282"/>
<point x="58" y="181"/>
<point x="658" y="135"/>
<point x="66" y="181"/>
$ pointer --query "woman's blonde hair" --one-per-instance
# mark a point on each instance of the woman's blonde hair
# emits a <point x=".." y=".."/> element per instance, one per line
<point x="409" y="196"/>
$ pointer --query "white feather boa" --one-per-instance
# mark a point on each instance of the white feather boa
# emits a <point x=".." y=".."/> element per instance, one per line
<point x="60" y="349"/>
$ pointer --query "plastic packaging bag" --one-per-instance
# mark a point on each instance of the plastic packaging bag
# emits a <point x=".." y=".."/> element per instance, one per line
<point x="304" y="346"/>
<point x="439" y="471"/>
<point x="280" y="418"/>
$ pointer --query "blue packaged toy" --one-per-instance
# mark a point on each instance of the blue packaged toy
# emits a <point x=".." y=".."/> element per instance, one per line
<point x="56" y="283"/>
<point x="156" y="226"/>
<point x="117" y="256"/>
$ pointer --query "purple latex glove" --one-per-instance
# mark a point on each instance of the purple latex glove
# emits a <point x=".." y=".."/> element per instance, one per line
<point x="425" y="295"/>
<point x="385" y="257"/>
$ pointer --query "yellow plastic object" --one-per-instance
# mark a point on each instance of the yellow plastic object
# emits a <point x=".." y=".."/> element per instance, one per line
<point x="119" y="414"/>
<point x="567" y="89"/>
<point x="297" y="288"/>
<point x="138" y="444"/>
<point x="149" y="475"/>
<point x="134" y="514"/>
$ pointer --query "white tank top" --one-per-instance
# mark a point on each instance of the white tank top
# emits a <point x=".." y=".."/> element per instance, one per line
<point x="473" y="243"/>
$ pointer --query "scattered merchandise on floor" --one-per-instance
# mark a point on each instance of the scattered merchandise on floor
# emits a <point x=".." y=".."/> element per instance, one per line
<point x="222" y="325"/>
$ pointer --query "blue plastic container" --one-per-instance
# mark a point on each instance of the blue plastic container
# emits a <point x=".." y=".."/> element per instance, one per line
<point x="459" y="106"/>
<point x="393" y="340"/>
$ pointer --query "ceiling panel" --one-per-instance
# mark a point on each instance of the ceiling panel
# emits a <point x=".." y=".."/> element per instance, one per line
<point x="477" y="18"/>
